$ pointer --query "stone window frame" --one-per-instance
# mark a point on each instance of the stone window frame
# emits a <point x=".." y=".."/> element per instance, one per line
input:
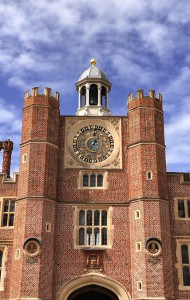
<point x="185" y="178"/>
<point x="139" y="285"/>
<point x="149" y="175"/>
<point x="96" y="173"/>
<point x="186" y="218"/>
<point x="179" y="265"/>
<point x="109" y="227"/>
<point x="4" y="250"/>
<point x="2" y="202"/>
<point x="137" y="214"/>
<point x="138" y="246"/>
<point x="24" y="158"/>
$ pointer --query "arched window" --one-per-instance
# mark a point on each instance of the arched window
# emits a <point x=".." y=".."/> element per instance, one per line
<point x="83" y="96"/>
<point x="81" y="236"/>
<point x="104" y="218"/>
<point x="99" y="180"/>
<point x="96" y="217"/>
<point x="104" y="236"/>
<point x="103" y="96"/>
<point x="89" y="218"/>
<point x="89" y="236"/>
<point x="186" y="276"/>
<point x="81" y="217"/>
<point x="92" y="232"/>
<point x="96" y="236"/>
<point x="8" y="213"/>
<point x="93" y="180"/>
<point x="93" y="95"/>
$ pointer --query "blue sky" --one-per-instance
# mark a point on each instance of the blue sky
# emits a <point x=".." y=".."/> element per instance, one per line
<point x="140" y="44"/>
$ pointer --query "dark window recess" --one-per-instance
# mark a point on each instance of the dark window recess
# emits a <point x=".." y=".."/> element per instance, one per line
<point x="186" y="276"/>
<point x="181" y="209"/>
<point x="186" y="177"/>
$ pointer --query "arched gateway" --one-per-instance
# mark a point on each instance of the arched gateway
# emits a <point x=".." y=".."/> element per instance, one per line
<point x="92" y="287"/>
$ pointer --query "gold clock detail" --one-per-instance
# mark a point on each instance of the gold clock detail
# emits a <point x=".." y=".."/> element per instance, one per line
<point x="93" y="144"/>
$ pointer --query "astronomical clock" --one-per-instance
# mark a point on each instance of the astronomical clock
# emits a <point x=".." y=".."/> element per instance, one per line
<point x="93" y="142"/>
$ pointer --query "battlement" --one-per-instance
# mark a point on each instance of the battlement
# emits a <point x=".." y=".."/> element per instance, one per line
<point x="140" y="95"/>
<point x="47" y="92"/>
<point x="5" y="179"/>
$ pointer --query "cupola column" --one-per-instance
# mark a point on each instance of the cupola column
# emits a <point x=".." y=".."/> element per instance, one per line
<point x="79" y="99"/>
<point x="99" y="95"/>
<point x="107" y="93"/>
<point x="87" y="94"/>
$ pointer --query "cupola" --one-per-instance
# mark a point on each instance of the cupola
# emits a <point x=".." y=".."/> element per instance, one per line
<point x="93" y="89"/>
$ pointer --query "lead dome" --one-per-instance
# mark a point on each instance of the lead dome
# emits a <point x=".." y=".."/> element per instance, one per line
<point x="93" y="72"/>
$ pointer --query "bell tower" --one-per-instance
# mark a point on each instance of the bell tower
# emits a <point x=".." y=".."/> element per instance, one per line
<point x="93" y="89"/>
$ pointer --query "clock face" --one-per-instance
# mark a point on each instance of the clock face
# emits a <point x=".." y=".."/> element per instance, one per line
<point x="93" y="144"/>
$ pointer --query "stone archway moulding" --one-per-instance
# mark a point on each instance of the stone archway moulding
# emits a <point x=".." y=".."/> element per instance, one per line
<point x="92" y="279"/>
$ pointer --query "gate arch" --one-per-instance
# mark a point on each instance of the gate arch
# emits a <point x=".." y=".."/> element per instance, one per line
<point x="92" y="279"/>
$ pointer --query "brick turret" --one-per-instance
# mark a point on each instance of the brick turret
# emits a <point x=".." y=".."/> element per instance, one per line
<point x="32" y="276"/>
<point x="148" y="196"/>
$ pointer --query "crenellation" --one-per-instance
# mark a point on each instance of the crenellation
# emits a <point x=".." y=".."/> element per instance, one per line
<point x="130" y="97"/>
<point x="160" y="97"/>
<point x="152" y="94"/>
<point x="140" y="94"/>
<point x="35" y="91"/>
<point x="47" y="92"/>
<point x="26" y="94"/>
<point x="6" y="179"/>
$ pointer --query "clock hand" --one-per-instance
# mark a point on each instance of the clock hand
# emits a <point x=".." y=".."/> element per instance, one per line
<point x="94" y="134"/>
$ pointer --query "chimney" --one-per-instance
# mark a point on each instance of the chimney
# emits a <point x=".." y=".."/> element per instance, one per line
<point x="7" y="146"/>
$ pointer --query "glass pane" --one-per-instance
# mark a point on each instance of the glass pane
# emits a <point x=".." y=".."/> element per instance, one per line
<point x="186" y="276"/>
<point x="12" y="206"/>
<point x="81" y="236"/>
<point x="99" y="180"/>
<point x="104" y="218"/>
<point x="85" y="180"/>
<point x="11" y="220"/>
<point x="89" y="236"/>
<point x="181" y="209"/>
<point x="5" y="219"/>
<point x="89" y="218"/>
<point x="104" y="236"/>
<point x="93" y="180"/>
<point x="188" y="207"/>
<point x="96" y="236"/>
<point x="81" y="217"/>
<point x="96" y="218"/>
<point x="184" y="254"/>
<point x="6" y="206"/>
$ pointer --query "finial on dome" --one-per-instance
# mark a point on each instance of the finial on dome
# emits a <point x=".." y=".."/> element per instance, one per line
<point x="93" y="62"/>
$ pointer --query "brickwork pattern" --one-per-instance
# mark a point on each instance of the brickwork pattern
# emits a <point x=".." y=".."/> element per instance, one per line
<point x="47" y="193"/>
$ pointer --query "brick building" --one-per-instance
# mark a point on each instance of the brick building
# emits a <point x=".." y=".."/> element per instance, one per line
<point x="92" y="212"/>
